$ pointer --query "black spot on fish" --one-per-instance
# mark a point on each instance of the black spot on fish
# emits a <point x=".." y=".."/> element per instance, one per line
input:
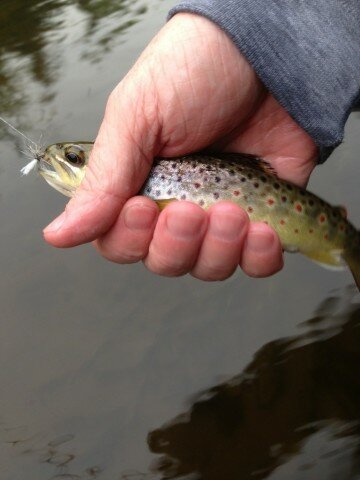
<point x="201" y="203"/>
<point x="179" y="178"/>
<point x="289" y="187"/>
<point x="222" y="165"/>
<point x="217" y="179"/>
<point x="256" y="185"/>
<point x="158" y="193"/>
<point x="169" y="192"/>
<point x="263" y="179"/>
<point x="232" y="172"/>
<point x="183" y="196"/>
<point x="276" y="186"/>
<point x="162" y="177"/>
<point x="216" y="195"/>
<point x="250" y="176"/>
<point x="148" y="189"/>
<point x="243" y="179"/>
<point x="311" y="203"/>
<point x="173" y="165"/>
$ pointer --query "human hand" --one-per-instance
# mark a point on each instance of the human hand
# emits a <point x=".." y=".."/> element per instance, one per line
<point x="190" y="88"/>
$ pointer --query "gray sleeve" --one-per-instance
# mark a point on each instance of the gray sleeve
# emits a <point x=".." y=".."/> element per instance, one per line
<point x="306" y="52"/>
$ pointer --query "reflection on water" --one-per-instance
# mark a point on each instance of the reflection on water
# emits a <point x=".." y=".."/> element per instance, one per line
<point x="293" y="412"/>
<point x="31" y="33"/>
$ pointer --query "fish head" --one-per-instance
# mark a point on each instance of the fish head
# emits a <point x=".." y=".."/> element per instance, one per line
<point x="63" y="165"/>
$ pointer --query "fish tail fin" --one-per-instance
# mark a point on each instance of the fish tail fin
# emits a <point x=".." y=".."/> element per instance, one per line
<point x="352" y="258"/>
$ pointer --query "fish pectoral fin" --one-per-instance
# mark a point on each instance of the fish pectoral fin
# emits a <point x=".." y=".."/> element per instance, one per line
<point x="291" y="248"/>
<point x="164" y="202"/>
<point x="330" y="259"/>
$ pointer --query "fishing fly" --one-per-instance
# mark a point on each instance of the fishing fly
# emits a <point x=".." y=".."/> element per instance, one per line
<point x="34" y="150"/>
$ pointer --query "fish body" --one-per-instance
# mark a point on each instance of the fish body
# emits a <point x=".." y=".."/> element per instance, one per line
<point x="304" y="222"/>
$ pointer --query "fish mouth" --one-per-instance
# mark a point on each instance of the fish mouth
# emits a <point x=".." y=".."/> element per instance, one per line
<point x="57" y="174"/>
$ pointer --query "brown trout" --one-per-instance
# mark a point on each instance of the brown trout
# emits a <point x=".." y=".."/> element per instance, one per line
<point x="303" y="221"/>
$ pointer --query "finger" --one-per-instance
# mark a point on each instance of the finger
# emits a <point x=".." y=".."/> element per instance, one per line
<point x="116" y="171"/>
<point x="262" y="253"/>
<point x="221" y="248"/>
<point x="129" y="238"/>
<point x="177" y="239"/>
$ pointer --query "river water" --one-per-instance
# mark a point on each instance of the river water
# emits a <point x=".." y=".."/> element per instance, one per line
<point x="110" y="372"/>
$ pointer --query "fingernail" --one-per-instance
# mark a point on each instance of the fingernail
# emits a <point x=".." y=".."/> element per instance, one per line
<point x="184" y="226"/>
<point x="226" y="227"/>
<point x="260" y="241"/>
<point x="56" y="224"/>
<point x="139" y="217"/>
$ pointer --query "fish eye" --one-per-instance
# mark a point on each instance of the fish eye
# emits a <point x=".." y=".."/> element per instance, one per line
<point x="75" y="155"/>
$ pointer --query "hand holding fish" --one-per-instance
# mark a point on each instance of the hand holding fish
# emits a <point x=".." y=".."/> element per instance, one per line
<point x="190" y="89"/>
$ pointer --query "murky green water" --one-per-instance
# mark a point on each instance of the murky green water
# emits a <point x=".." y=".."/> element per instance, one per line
<point x="111" y="373"/>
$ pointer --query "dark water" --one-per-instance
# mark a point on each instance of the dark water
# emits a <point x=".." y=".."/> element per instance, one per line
<point x="111" y="373"/>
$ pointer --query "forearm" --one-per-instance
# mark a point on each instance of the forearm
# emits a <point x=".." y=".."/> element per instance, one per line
<point x="306" y="53"/>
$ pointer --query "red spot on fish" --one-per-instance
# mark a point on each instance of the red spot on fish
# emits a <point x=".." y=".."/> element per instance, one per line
<point x="326" y="236"/>
<point x="342" y="228"/>
<point x="197" y="185"/>
<point x="270" y="201"/>
<point x="298" y="207"/>
<point x="322" y="218"/>
<point x="283" y="198"/>
<point x="236" y="193"/>
<point x="311" y="230"/>
<point x="296" y="230"/>
<point x="282" y="222"/>
<point x="250" y="209"/>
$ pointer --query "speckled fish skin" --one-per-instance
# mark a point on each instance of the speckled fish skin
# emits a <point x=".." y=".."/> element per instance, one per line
<point x="303" y="221"/>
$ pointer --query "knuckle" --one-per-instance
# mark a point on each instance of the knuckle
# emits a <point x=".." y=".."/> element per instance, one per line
<point x="165" y="265"/>
<point x="125" y="256"/>
<point x="213" y="274"/>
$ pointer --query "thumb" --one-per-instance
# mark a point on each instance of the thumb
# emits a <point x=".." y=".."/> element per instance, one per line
<point x="116" y="171"/>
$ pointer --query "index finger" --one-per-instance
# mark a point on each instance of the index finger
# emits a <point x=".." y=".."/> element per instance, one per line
<point x="117" y="168"/>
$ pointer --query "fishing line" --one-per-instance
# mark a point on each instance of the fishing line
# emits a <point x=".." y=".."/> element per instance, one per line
<point x="17" y="131"/>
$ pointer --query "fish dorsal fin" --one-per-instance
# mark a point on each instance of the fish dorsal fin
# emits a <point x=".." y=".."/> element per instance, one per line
<point x="246" y="159"/>
<point x="342" y="210"/>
